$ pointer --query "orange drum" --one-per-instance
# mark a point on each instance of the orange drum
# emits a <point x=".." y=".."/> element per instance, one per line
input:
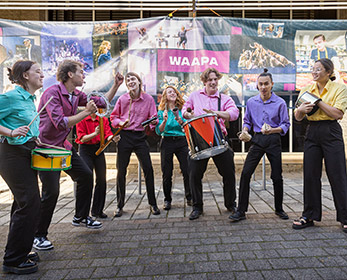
<point x="205" y="137"/>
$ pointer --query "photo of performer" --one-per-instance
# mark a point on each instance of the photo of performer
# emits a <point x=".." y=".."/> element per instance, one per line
<point x="56" y="122"/>
<point x="324" y="140"/>
<point x="135" y="107"/>
<point x="209" y="100"/>
<point x="32" y="52"/>
<point x="162" y="37"/>
<point x="267" y="114"/>
<point x="88" y="138"/>
<point x="17" y="110"/>
<point x="322" y="51"/>
<point x="182" y="35"/>
<point x="104" y="54"/>
<point x="173" y="142"/>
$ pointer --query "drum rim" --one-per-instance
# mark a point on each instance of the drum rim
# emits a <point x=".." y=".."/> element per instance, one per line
<point x="45" y="151"/>
<point x="199" y="117"/>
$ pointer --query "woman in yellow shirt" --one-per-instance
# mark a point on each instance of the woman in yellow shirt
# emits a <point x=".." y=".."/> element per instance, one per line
<point x="324" y="140"/>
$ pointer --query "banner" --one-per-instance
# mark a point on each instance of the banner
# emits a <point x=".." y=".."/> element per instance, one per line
<point x="175" y="51"/>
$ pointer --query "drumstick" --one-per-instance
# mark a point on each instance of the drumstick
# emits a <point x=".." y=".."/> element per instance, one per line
<point x="44" y="106"/>
<point x="51" y="146"/>
<point x="98" y="152"/>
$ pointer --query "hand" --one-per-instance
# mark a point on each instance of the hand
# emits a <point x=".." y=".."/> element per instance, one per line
<point x="97" y="130"/>
<point x="266" y="129"/>
<point x="116" y="138"/>
<point x="165" y="116"/>
<point x="91" y="107"/>
<point x="306" y="107"/>
<point x="118" y="79"/>
<point x="189" y="115"/>
<point x="244" y="136"/>
<point x="154" y="122"/>
<point x="122" y="123"/>
<point x="20" y="131"/>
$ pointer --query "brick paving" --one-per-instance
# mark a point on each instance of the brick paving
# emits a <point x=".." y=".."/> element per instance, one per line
<point x="169" y="246"/>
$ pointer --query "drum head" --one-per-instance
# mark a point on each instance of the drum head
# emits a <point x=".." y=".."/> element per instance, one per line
<point x="52" y="152"/>
<point x="199" y="117"/>
<point x="211" y="152"/>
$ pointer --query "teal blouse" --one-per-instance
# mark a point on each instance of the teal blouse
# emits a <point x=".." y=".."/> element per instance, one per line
<point x="172" y="127"/>
<point x="17" y="109"/>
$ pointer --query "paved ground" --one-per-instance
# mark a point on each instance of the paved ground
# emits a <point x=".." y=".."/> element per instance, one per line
<point x="141" y="246"/>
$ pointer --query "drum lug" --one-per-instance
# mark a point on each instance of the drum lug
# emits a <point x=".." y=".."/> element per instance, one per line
<point x="63" y="162"/>
<point x="197" y="148"/>
<point x="211" y="144"/>
<point x="203" y="120"/>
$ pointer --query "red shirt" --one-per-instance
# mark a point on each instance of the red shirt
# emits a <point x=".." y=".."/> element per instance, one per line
<point x="87" y="126"/>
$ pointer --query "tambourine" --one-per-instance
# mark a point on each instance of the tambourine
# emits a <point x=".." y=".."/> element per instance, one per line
<point x="108" y="105"/>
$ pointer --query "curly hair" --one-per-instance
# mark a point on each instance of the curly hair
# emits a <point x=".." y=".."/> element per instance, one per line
<point x="65" y="67"/>
<point x="103" y="47"/>
<point x="178" y="103"/>
<point x="204" y="75"/>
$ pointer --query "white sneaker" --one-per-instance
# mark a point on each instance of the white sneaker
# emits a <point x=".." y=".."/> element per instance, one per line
<point x="87" y="222"/>
<point x="42" y="243"/>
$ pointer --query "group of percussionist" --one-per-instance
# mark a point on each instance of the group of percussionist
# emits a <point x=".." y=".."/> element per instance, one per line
<point x="266" y="115"/>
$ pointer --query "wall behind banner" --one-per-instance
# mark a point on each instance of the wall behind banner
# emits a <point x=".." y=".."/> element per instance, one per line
<point x="175" y="51"/>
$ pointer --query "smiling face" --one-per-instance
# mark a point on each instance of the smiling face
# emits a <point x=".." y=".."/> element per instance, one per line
<point x="319" y="43"/>
<point x="133" y="84"/>
<point x="171" y="95"/>
<point x="265" y="86"/>
<point x="34" y="77"/>
<point x="319" y="73"/>
<point x="211" y="84"/>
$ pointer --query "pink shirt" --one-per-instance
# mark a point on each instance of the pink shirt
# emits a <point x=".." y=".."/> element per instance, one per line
<point x="142" y="109"/>
<point x="199" y="100"/>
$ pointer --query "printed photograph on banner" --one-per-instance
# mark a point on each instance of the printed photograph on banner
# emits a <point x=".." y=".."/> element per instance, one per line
<point x="144" y="64"/>
<point x="141" y="34"/>
<point x="216" y="34"/>
<point x="110" y="45"/>
<point x="60" y="42"/>
<point x="282" y="83"/>
<point x="270" y="29"/>
<point x="251" y="54"/>
<point x="311" y="45"/>
<point x="231" y="85"/>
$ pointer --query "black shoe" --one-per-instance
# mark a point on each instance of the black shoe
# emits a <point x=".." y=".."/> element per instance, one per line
<point x="34" y="256"/>
<point x="189" y="202"/>
<point x="195" y="214"/>
<point x="155" y="210"/>
<point x="232" y="209"/>
<point x="25" y="267"/>
<point x="283" y="215"/>
<point x="118" y="213"/>
<point x="167" y="205"/>
<point x="237" y="216"/>
<point x="100" y="216"/>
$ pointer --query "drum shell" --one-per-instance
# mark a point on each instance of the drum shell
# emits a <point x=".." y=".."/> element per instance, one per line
<point x="204" y="136"/>
<point x="54" y="162"/>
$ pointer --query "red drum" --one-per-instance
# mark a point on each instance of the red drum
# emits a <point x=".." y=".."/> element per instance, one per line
<point x="205" y="137"/>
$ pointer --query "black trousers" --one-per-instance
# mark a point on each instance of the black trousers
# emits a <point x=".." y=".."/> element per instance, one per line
<point x="324" y="141"/>
<point x="15" y="169"/>
<point x="169" y="147"/>
<point x="271" y="146"/>
<point x="82" y="175"/>
<point x="226" y="168"/>
<point x="134" y="141"/>
<point x="98" y="163"/>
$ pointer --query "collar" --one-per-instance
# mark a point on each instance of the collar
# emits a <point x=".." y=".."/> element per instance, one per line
<point x="64" y="91"/>
<point x="215" y="95"/>
<point x="25" y="93"/>
<point x="314" y="87"/>
<point x="89" y="118"/>
<point x="271" y="99"/>
<point x="140" y="97"/>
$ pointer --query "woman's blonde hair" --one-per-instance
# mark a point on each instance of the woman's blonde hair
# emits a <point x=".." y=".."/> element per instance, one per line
<point x="179" y="100"/>
<point x="103" y="47"/>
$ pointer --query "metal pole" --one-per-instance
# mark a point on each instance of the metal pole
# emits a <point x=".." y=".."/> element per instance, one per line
<point x="291" y="127"/>
<point x="139" y="176"/>
<point x="264" y="173"/>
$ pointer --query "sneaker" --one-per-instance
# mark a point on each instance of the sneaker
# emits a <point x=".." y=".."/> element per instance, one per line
<point x="42" y="244"/>
<point x="88" y="222"/>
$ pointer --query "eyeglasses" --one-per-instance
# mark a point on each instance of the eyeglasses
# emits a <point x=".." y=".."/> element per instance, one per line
<point x="315" y="70"/>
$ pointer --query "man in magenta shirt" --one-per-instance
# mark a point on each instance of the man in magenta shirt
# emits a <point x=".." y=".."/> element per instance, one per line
<point x="56" y="122"/>
<point x="135" y="107"/>
<point x="209" y="100"/>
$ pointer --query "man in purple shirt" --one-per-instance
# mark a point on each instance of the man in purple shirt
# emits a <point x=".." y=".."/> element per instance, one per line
<point x="268" y="115"/>
<point x="56" y="122"/>
<point x="209" y="100"/>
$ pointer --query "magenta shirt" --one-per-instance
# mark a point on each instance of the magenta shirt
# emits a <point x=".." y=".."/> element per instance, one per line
<point x="142" y="109"/>
<point x="54" y="118"/>
<point x="199" y="100"/>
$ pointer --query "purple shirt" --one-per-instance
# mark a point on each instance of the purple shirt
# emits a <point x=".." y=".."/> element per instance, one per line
<point x="199" y="100"/>
<point x="54" y="118"/>
<point x="142" y="109"/>
<point x="273" y="111"/>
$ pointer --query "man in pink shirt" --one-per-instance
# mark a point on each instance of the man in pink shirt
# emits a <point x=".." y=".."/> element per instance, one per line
<point x="209" y="100"/>
<point x="135" y="107"/>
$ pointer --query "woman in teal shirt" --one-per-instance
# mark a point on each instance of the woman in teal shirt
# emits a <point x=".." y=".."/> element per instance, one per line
<point x="173" y="142"/>
<point x="17" y="109"/>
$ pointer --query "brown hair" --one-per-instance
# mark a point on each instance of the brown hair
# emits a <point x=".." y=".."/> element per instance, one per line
<point x="18" y="69"/>
<point x="204" y="75"/>
<point x="65" y="67"/>
<point x="136" y="75"/>
<point x="179" y="100"/>
<point x="328" y="66"/>
<point x="317" y="36"/>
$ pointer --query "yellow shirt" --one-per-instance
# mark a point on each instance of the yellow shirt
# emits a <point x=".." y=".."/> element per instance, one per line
<point x="333" y="94"/>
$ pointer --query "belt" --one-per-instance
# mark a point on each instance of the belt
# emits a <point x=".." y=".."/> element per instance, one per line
<point x="174" y="138"/>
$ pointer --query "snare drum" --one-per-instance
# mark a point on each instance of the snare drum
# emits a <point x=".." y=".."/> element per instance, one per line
<point x="50" y="159"/>
<point x="205" y="137"/>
